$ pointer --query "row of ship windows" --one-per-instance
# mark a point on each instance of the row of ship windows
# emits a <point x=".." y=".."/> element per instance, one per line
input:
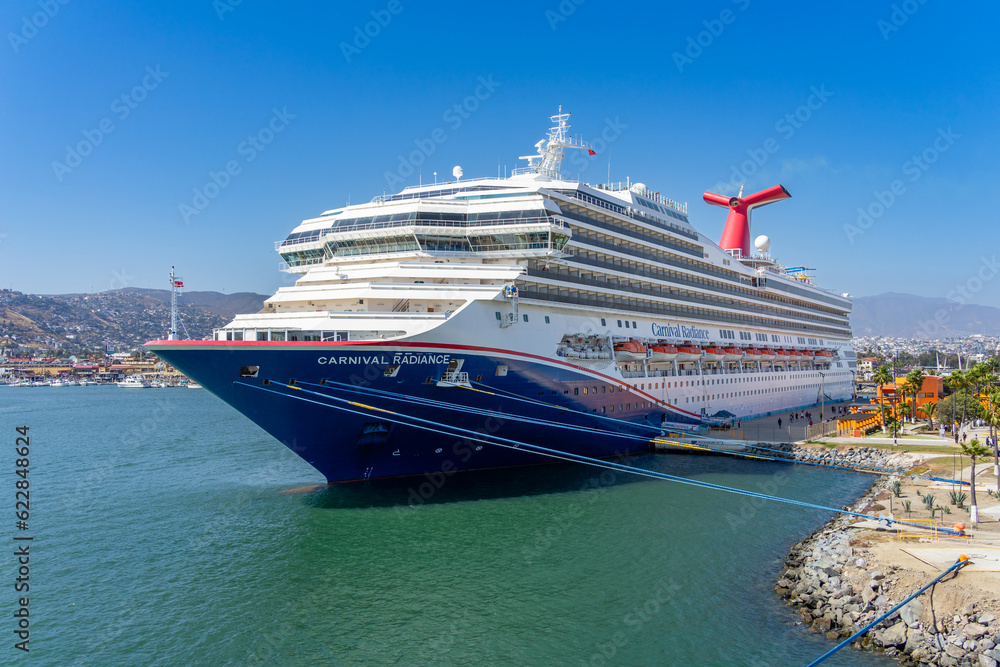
<point x="668" y="257"/>
<point x="763" y="338"/>
<point x="642" y="270"/>
<point x="617" y="302"/>
<point x="347" y="224"/>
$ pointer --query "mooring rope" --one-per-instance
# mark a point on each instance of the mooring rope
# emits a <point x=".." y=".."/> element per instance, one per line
<point x="957" y="565"/>
<point x="789" y="457"/>
<point x="475" y="436"/>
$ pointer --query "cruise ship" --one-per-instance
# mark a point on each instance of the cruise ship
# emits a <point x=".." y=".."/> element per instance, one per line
<point x="432" y="330"/>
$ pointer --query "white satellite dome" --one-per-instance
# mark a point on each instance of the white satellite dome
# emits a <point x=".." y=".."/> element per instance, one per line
<point x="762" y="243"/>
<point x="457" y="172"/>
<point x="638" y="187"/>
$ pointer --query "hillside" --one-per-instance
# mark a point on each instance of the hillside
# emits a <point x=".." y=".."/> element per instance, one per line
<point x="120" y="319"/>
<point x="908" y="316"/>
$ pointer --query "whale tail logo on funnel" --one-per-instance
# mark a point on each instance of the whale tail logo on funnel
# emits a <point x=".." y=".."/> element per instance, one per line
<point x="736" y="235"/>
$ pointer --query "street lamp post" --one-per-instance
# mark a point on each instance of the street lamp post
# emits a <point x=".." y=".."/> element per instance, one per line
<point x="822" y="396"/>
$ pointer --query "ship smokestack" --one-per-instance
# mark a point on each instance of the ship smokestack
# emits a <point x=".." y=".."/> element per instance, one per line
<point x="736" y="235"/>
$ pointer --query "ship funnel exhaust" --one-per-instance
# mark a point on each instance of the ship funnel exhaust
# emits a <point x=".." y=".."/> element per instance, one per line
<point x="736" y="235"/>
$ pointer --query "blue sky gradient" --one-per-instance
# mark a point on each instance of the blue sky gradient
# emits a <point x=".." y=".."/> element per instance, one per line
<point x="834" y="101"/>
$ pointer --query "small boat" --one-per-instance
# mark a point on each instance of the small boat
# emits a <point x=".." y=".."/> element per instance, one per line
<point x="733" y="354"/>
<point x="767" y="354"/>
<point x="808" y="355"/>
<point x="662" y="353"/>
<point x="688" y="352"/>
<point x="58" y="383"/>
<point x="752" y="354"/>
<point x="824" y="357"/>
<point x="193" y="385"/>
<point x="630" y="350"/>
<point x="714" y="353"/>
<point x="134" y="382"/>
<point x="794" y="355"/>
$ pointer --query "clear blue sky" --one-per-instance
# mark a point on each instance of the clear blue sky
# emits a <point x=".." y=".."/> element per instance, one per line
<point x="199" y="79"/>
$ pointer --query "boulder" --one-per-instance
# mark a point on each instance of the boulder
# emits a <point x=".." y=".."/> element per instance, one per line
<point x="911" y="613"/>
<point x="956" y="652"/>
<point x="986" y="661"/>
<point x="986" y="619"/>
<point x="974" y="630"/>
<point x="894" y="636"/>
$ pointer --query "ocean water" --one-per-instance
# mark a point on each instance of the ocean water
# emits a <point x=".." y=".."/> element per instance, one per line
<point x="164" y="535"/>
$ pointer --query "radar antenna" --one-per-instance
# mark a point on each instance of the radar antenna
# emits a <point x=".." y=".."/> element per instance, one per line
<point x="550" y="151"/>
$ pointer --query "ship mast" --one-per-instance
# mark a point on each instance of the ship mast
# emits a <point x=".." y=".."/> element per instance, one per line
<point x="173" y="304"/>
<point x="550" y="151"/>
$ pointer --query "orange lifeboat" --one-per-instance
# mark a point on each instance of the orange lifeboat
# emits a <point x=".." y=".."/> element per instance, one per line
<point x="662" y="353"/>
<point x="752" y="354"/>
<point x="688" y="352"/>
<point x="767" y="354"/>
<point x="733" y="354"/>
<point x="714" y="353"/>
<point x="824" y="356"/>
<point x="630" y="350"/>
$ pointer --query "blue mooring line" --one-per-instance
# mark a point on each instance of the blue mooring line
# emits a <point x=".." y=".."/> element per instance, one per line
<point x="811" y="460"/>
<point x="957" y="565"/>
<point x="475" y="436"/>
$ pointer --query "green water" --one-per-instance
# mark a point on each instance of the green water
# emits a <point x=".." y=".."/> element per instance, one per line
<point x="162" y="537"/>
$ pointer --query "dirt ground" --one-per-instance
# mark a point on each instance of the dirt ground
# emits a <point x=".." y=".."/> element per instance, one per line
<point x="883" y="550"/>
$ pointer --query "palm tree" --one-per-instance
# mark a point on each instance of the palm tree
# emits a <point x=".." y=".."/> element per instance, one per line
<point x="882" y="377"/>
<point x="915" y="380"/>
<point x="929" y="409"/>
<point x="993" y="419"/>
<point x="959" y="381"/>
<point x="974" y="450"/>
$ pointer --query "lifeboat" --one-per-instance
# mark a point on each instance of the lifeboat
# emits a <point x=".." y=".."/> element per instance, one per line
<point x="782" y="355"/>
<point x="733" y="354"/>
<point x="751" y="354"/>
<point x="767" y="354"/>
<point x="714" y="353"/>
<point x="688" y="352"/>
<point x="794" y="355"/>
<point x="808" y="355"/>
<point x="662" y="353"/>
<point x="824" y="356"/>
<point x="630" y="350"/>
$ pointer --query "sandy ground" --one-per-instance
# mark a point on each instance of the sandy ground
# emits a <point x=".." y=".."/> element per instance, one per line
<point x="884" y="550"/>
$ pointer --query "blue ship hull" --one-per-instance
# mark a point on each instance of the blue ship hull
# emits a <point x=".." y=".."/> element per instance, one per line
<point x="343" y="413"/>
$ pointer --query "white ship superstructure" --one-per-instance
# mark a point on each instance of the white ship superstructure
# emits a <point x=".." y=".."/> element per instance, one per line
<point x="533" y="293"/>
<point x="543" y="265"/>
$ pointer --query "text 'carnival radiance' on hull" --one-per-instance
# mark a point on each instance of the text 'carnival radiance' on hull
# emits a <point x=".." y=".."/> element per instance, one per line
<point x="542" y="310"/>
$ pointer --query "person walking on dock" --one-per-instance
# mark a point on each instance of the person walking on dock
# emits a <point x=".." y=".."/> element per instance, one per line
<point x="779" y="422"/>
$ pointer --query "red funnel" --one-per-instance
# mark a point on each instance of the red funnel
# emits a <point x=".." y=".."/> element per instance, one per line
<point x="736" y="235"/>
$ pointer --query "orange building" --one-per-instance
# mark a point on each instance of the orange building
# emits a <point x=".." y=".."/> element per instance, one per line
<point x="931" y="391"/>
